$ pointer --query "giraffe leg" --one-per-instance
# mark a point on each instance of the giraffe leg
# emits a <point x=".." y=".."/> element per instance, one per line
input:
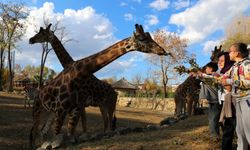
<point x="46" y="127"/>
<point x="83" y="118"/>
<point x="36" y="121"/>
<point x="189" y="105"/>
<point x="59" y="118"/>
<point x="111" y="119"/>
<point x="111" y="115"/>
<point x="73" y="120"/>
<point x="104" y="117"/>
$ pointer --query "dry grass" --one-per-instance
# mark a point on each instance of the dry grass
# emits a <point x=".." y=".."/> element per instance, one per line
<point x="191" y="133"/>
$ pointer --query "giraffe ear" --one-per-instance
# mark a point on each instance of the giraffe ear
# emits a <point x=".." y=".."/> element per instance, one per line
<point x="48" y="28"/>
<point x="139" y="29"/>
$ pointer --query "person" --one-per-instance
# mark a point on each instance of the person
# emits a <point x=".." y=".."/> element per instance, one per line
<point x="239" y="77"/>
<point x="209" y="91"/>
<point x="227" y="116"/>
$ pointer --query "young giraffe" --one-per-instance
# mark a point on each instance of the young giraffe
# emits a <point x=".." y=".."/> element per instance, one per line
<point x="107" y="106"/>
<point x="76" y="84"/>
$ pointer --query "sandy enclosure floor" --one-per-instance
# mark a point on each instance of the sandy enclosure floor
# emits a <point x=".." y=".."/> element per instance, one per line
<point x="16" y="121"/>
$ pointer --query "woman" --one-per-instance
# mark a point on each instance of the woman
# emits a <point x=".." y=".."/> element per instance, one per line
<point x="227" y="116"/>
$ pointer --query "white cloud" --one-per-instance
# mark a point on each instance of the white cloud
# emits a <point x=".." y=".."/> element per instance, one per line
<point x="123" y="4"/>
<point x="93" y="32"/>
<point x="181" y="4"/>
<point x="208" y="46"/>
<point x="207" y="17"/>
<point x="159" y="4"/>
<point x="151" y="20"/>
<point x="128" y="16"/>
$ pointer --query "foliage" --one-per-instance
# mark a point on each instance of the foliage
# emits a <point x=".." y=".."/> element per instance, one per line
<point x="194" y="67"/>
<point x="149" y="85"/>
<point x="33" y="73"/>
<point x="237" y="31"/>
<point x="110" y="80"/>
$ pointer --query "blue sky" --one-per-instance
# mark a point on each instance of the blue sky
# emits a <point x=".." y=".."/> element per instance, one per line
<point x="96" y="24"/>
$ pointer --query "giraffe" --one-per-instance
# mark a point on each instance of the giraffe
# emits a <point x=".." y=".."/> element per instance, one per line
<point x="76" y="84"/>
<point x="186" y="93"/>
<point x="46" y="35"/>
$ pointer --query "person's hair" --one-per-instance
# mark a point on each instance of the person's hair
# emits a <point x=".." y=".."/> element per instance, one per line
<point x="242" y="49"/>
<point x="228" y="63"/>
<point x="212" y="65"/>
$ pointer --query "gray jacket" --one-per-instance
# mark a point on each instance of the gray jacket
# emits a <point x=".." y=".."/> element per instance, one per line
<point x="209" y="93"/>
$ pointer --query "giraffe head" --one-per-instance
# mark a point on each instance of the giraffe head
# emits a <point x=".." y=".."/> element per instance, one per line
<point x="143" y="42"/>
<point x="44" y="35"/>
<point x="215" y="52"/>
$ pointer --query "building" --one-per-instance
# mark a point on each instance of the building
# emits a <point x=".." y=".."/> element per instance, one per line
<point x="124" y="88"/>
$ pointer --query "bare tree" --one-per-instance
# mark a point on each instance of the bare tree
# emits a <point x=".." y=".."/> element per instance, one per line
<point x="12" y="29"/>
<point x="137" y="79"/>
<point x="172" y="43"/>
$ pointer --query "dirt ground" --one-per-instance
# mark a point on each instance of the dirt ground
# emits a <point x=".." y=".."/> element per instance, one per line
<point x="191" y="133"/>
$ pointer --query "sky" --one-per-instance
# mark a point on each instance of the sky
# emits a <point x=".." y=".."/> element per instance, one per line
<point x="96" y="24"/>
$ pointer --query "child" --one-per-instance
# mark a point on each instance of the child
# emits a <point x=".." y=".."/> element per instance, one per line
<point x="209" y="91"/>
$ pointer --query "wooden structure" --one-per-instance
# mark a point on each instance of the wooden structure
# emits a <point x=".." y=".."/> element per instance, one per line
<point x="124" y="88"/>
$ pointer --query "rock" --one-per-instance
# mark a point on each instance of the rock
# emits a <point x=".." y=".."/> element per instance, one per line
<point x="58" y="141"/>
<point x="153" y="127"/>
<point x="46" y="145"/>
<point x="97" y="136"/>
<point x="182" y="116"/>
<point x="123" y="131"/>
<point x="164" y="126"/>
<point x="169" y="121"/>
<point x="138" y="129"/>
<point x="84" y="137"/>
<point x="109" y="134"/>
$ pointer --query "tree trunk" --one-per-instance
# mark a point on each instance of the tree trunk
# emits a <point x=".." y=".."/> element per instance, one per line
<point x="10" y="71"/>
<point x="1" y="69"/>
<point x="164" y="81"/>
<point x="43" y="61"/>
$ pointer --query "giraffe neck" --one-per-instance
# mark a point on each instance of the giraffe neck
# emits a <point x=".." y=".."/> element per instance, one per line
<point x="99" y="60"/>
<point x="61" y="52"/>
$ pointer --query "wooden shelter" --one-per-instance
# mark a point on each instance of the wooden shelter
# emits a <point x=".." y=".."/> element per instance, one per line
<point x="124" y="88"/>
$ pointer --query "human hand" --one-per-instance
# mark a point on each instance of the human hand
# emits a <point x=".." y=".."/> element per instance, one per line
<point x="223" y="81"/>
<point x="216" y="74"/>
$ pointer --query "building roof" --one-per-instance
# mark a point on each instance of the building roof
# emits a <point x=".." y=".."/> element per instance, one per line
<point x="123" y="84"/>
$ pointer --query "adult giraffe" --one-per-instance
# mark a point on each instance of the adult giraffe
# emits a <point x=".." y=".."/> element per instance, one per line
<point x="76" y="84"/>
<point x="106" y="104"/>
